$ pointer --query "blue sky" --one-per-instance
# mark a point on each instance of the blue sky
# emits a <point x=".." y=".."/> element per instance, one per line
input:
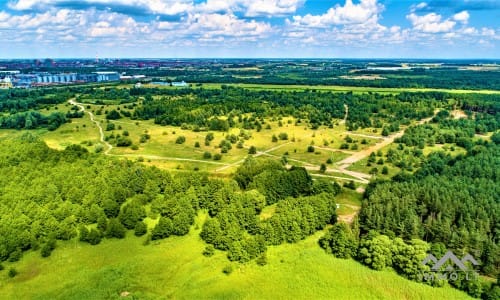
<point x="250" y="28"/>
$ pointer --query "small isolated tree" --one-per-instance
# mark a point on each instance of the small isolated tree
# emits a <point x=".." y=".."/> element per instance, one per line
<point x="310" y="149"/>
<point x="274" y="138"/>
<point x="207" y="155"/>
<point x="385" y="170"/>
<point x="252" y="150"/>
<point x="227" y="269"/>
<point x="283" y="136"/>
<point x="217" y="156"/>
<point x="322" y="168"/>
<point x="110" y="126"/>
<point x="385" y="131"/>
<point x="180" y="140"/>
<point x="12" y="272"/>
<point x="209" y="251"/>
<point x="197" y="144"/>
<point x="350" y="185"/>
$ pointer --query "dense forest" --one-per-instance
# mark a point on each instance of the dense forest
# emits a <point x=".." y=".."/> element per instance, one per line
<point x="50" y="195"/>
<point x="202" y="107"/>
<point x="438" y="202"/>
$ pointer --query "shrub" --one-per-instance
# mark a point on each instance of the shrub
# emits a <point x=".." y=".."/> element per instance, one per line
<point x="209" y="251"/>
<point x="48" y="247"/>
<point x="140" y="228"/>
<point x="227" y="269"/>
<point x="123" y="142"/>
<point x="12" y="272"/>
<point x="180" y="139"/>
<point x="283" y="136"/>
<point x="310" y="149"/>
<point x="207" y="155"/>
<point x="110" y="126"/>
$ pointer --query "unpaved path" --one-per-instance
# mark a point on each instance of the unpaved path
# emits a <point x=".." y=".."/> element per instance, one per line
<point x="155" y="157"/>
<point x="345" y="163"/>
<point x="259" y="153"/>
<point x="92" y="118"/>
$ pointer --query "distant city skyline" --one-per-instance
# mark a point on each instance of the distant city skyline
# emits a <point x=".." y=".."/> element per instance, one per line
<point x="249" y="29"/>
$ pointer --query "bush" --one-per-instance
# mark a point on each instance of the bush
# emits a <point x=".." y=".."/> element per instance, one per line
<point x="113" y="115"/>
<point x="115" y="229"/>
<point x="140" y="228"/>
<point x="207" y="155"/>
<point x="12" y="272"/>
<point x="217" y="156"/>
<point x="283" y="136"/>
<point x="209" y="251"/>
<point x="110" y="126"/>
<point x="123" y="142"/>
<point x="385" y="170"/>
<point x="227" y="269"/>
<point x="197" y="145"/>
<point x="310" y="149"/>
<point x="94" y="237"/>
<point x="48" y="247"/>
<point x="180" y="139"/>
<point x="252" y="150"/>
<point x="99" y="148"/>
<point x="261" y="260"/>
<point x="350" y="185"/>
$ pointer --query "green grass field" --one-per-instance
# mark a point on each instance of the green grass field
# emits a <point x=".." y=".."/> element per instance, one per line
<point x="354" y="89"/>
<point x="175" y="269"/>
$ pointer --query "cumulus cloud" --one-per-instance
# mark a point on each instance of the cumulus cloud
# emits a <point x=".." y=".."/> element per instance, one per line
<point x="367" y="11"/>
<point x="137" y="7"/>
<point x="430" y="23"/>
<point x="462" y="17"/>
<point x="250" y="8"/>
<point x="225" y="24"/>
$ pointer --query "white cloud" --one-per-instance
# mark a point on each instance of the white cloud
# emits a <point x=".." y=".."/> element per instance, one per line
<point x="462" y="17"/>
<point x="430" y="23"/>
<point x="251" y="8"/>
<point x="210" y="25"/>
<point x="271" y="7"/>
<point x="367" y="11"/>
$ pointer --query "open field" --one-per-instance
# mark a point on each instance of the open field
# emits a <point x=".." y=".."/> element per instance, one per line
<point x="354" y="89"/>
<point x="162" y="149"/>
<point x="175" y="269"/>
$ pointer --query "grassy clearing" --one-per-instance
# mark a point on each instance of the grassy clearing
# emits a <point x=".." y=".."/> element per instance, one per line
<point x="174" y="268"/>
<point x="334" y="88"/>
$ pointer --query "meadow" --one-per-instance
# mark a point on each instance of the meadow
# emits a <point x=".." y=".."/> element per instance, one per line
<point x="176" y="269"/>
